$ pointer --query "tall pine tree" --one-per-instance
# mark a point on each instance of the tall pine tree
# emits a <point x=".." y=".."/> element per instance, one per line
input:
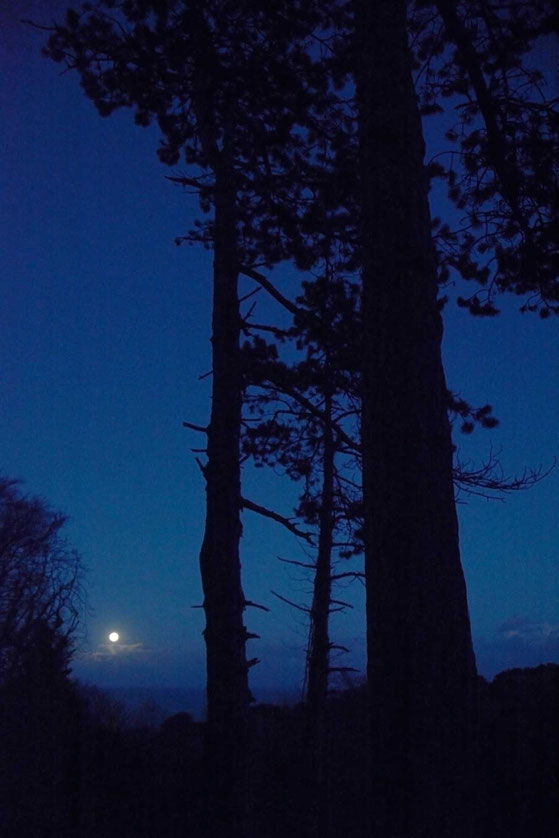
<point x="223" y="81"/>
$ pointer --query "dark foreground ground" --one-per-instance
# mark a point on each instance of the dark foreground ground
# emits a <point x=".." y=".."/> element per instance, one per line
<point x="71" y="768"/>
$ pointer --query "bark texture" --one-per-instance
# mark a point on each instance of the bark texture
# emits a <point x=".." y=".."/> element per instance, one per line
<point x="421" y="665"/>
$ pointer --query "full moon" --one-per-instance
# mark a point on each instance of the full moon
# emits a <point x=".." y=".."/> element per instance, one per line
<point x="113" y="636"/>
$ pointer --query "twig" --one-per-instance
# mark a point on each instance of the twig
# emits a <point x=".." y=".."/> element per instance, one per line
<point x="250" y="294"/>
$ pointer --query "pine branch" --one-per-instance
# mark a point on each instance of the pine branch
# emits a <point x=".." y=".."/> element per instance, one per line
<point x="488" y="107"/>
<point x="314" y="411"/>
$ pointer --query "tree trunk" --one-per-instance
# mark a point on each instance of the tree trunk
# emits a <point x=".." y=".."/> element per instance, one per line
<point x="421" y="666"/>
<point x="318" y="655"/>
<point x="225" y="635"/>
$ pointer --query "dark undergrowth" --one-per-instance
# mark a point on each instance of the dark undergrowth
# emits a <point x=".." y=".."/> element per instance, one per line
<point x="70" y="768"/>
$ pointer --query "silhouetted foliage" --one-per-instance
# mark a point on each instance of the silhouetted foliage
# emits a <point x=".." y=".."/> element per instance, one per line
<point x="68" y="770"/>
<point x="41" y="603"/>
<point x="519" y="754"/>
<point x="41" y="577"/>
<point x="501" y="167"/>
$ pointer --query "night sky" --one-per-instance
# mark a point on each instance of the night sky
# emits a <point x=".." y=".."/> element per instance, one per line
<point x="104" y="332"/>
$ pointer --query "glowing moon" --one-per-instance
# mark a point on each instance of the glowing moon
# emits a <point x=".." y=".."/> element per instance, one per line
<point x="113" y="636"/>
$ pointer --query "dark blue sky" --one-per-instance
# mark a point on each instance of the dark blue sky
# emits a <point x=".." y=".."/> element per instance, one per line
<point x="104" y="331"/>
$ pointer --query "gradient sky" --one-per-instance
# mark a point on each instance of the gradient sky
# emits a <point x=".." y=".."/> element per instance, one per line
<point x="104" y="331"/>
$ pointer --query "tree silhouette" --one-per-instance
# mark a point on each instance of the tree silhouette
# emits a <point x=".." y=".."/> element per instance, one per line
<point x="40" y="580"/>
<point x="420" y="661"/>
<point x="41" y="604"/>
<point x="302" y="123"/>
<point x="223" y="81"/>
<point x="299" y="421"/>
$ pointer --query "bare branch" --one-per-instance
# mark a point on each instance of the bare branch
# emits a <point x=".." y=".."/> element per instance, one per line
<point x="271" y="289"/>
<point x="306" y="565"/>
<point x="293" y="604"/>
<point x="195" y="183"/>
<point x="342" y="669"/>
<point x="275" y="516"/>
<point x="488" y="480"/>
<point x="352" y="575"/>
<point x="261" y="327"/>
<point x="315" y="411"/>
<point x="192" y="427"/>
<point x="250" y="604"/>
<point x="338" y="646"/>
<point x="341" y="603"/>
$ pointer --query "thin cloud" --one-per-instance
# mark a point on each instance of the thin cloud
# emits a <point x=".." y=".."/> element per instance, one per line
<point x="105" y="652"/>
<point x="518" y="642"/>
<point x="529" y="632"/>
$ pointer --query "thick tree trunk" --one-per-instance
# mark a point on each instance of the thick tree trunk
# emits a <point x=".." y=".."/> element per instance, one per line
<point x="224" y="602"/>
<point x="421" y="665"/>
